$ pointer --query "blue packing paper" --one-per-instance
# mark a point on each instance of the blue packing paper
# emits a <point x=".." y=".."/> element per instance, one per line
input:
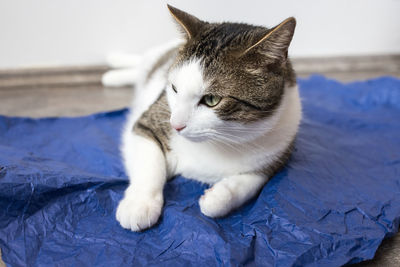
<point x="338" y="197"/>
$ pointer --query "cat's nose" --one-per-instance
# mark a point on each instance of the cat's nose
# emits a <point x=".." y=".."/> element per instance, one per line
<point x="177" y="121"/>
<point x="179" y="128"/>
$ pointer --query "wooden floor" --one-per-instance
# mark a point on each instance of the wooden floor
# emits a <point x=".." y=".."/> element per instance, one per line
<point x="76" y="91"/>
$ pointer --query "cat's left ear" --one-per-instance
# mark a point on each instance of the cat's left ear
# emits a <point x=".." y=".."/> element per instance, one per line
<point x="275" y="43"/>
<point x="189" y="24"/>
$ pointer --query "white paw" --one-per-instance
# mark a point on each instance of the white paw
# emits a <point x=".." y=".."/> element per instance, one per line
<point x="123" y="60"/>
<point x="216" y="201"/>
<point x="139" y="212"/>
<point x="116" y="78"/>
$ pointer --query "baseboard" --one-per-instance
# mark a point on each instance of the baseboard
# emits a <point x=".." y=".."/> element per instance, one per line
<point x="54" y="77"/>
<point x="382" y="63"/>
<point x="78" y="76"/>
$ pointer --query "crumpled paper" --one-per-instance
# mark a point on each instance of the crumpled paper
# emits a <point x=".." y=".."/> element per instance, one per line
<point x="338" y="197"/>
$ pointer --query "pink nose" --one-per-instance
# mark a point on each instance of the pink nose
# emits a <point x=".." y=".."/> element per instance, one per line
<point x="179" y="128"/>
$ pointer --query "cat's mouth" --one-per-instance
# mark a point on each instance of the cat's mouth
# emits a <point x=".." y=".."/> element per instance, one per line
<point x="209" y="136"/>
<point x="197" y="139"/>
<point x="195" y="136"/>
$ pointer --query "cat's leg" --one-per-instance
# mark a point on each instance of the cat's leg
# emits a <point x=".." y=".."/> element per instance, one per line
<point x="123" y="60"/>
<point x="122" y="77"/>
<point x="230" y="193"/>
<point x="146" y="167"/>
<point x="134" y="67"/>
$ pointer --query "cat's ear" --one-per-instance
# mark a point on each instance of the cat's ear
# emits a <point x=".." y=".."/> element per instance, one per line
<point x="275" y="43"/>
<point x="190" y="25"/>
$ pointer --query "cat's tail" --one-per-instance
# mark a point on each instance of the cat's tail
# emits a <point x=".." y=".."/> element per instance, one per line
<point x="135" y="69"/>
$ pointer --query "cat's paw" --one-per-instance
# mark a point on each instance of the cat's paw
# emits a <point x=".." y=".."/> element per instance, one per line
<point x="216" y="201"/>
<point x="121" y="77"/>
<point x="139" y="212"/>
<point x="123" y="60"/>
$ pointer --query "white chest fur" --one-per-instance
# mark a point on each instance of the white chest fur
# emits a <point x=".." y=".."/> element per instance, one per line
<point x="210" y="163"/>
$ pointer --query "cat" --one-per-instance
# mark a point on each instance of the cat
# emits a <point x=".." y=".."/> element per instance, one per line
<point x="221" y="107"/>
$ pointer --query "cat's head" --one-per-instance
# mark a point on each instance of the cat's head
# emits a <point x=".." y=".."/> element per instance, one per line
<point x="228" y="79"/>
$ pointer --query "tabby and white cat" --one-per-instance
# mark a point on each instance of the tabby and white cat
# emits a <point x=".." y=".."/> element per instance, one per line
<point x="221" y="107"/>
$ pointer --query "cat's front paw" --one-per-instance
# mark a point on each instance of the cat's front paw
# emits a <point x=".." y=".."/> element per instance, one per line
<point x="138" y="212"/>
<point x="216" y="201"/>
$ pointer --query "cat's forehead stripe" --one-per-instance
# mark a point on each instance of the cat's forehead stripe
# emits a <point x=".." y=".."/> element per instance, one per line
<point x="188" y="77"/>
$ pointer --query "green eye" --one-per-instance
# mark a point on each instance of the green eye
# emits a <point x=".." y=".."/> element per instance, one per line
<point x="211" y="100"/>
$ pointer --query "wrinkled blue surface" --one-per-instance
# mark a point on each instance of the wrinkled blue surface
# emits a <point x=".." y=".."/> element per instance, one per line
<point x="61" y="179"/>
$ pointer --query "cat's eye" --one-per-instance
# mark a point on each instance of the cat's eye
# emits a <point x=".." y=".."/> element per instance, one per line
<point x="174" y="88"/>
<point x="211" y="100"/>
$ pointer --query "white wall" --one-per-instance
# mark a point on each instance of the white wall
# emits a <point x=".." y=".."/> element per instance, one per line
<point x="74" y="32"/>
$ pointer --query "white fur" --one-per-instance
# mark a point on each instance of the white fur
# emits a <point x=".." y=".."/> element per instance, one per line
<point x="141" y="206"/>
<point x="144" y="161"/>
<point x="230" y="193"/>
<point x="188" y="80"/>
<point x="116" y="78"/>
<point x="134" y="66"/>
<point x="223" y="154"/>
<point x="211" y="162"/>
<point x="124" y="60"/>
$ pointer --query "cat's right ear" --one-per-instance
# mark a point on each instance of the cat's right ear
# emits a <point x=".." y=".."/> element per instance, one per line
<point x="190" y="25"/>
<point x="276" y="42"/>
